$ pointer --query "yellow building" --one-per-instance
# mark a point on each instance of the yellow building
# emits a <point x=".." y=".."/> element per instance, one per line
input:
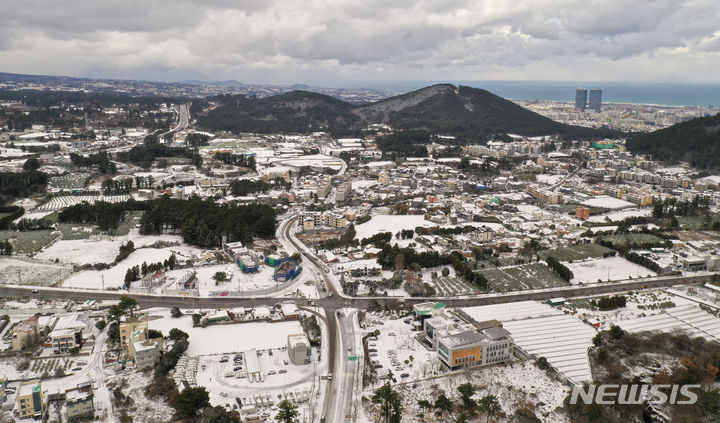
<point x="29" y="399"/>
<point x="133" y="331"/>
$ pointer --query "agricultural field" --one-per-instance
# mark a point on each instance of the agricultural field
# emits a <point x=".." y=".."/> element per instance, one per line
<point x="448" y="286"/>
<point x="69" y="181"/>
<point x="31" y="272"/>
<point x="696" y="223"/>
<point x="526" y="276"/>
<point x="29" y="242"/>
<point x="63" y="201"/>
<point x="49" y="366"/>
<point x="576" y="252"/>
<point x="632" y="239"/>
<point x="75" y="231"/>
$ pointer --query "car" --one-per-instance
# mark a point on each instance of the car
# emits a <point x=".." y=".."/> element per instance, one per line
<point x="272" y="372"/>
<point x="34" y="291"/>
<point x="282" y="371"/>
<point x="223" y="394"/>
<point x="235" y="369"/>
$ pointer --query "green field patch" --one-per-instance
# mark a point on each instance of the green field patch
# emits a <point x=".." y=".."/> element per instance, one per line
<point x="576" y="252"/>
<point x="523" y="277"/>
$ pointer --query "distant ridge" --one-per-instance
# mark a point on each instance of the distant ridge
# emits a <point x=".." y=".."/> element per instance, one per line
<point x="469" y="113"/>
<point x="696" y="142"/>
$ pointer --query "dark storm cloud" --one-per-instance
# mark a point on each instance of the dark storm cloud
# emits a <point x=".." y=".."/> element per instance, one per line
<point x="373" y="39"/>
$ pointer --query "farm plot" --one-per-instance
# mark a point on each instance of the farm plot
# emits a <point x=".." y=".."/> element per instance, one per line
<point x="517" y="278"/>
<point x="61" y="202"/>
<point x="69" y="181"/>
<point x="576" y="252"/>
<point x="31" y="272"/>
<point x="51" y="366"/>
<point x="452" y="286"/>
<point x="29" y="242"/>
<point x="639" y="240"/>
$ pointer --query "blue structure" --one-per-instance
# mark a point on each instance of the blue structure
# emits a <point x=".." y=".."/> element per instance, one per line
<point x="288" y="275"/>
<point x="248" y="266"/>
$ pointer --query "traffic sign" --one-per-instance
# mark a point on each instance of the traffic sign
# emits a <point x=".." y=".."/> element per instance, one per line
<point x="353" y="358"/>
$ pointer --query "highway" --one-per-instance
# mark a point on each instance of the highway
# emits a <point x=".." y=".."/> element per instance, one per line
<point x="183" y="112"/>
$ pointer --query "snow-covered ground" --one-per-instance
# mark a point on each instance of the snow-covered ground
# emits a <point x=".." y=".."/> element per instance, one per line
<point x="220" y="339"/>
<point x="608" y="268"/>
<point x="31" y="272"/>
<point x="397" y="223"/>
<point x="607" y="202"/>
<point x="395" y="346"/>
<point x="620" y="215"/>
<point x="114" y="277"/>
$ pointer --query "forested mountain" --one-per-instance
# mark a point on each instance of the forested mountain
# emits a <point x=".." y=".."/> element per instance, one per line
<point x="696" y="141"/>
<point x="468" y="113"/>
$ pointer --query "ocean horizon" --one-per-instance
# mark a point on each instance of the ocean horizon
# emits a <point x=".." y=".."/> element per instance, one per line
<point x="664" y="94"/>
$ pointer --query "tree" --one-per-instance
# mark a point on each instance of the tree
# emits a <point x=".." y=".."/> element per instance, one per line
<point x="287" y="412"/>
<point x="445" y="272"/>
<point x="467" y="390"/>
<point x="443" y="405"/>
<point x="219" y="277"/>
<point x="616" y="332"/>
<point x="176" y="334"/>
<point x="100" y="324"/>
<point x="175" y="312"/>
<point x="191" y="400"/>
<point x="543" y="364"/>
<point x="490" y="405"/>
<point x="390" y="403"/>
<point x="31" y="164"/>
<point x="128" y="304"/>
<point x="217" y="414"/>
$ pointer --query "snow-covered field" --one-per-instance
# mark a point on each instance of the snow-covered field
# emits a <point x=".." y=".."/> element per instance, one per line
<point x="220" y="339"/>
<point x="396" y="223"/>
<point x="237" y="280"/>
<point x="514" y="385"/>
<point x="31" y="272"/>
<point x="607" y="202"/>
<point x="115" y="276"/>
<point x="620" y="215"/>
<point x="59" y="203"/>
<point x="612" y="268"/>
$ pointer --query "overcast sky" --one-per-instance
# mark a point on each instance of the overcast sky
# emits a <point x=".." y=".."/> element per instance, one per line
<point x="313" y="40"/>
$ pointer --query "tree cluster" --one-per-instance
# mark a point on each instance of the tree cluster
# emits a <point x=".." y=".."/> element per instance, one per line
<point x="100" y="161"/>
<point x="205" y="222"/>
<point x="559" y="268"/>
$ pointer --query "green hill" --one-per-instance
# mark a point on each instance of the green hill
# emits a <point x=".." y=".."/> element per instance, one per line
<point x="443" y="109"/>
<point x="696" y="142"/>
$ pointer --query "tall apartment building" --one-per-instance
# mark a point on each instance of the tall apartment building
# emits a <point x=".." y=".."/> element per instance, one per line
<point x="344" y="191"/>
<point x="580" y="99"/>
<point x="595" y="102"/>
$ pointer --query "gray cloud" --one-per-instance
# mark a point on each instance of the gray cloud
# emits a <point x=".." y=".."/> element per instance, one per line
<point x="274" y="40"/>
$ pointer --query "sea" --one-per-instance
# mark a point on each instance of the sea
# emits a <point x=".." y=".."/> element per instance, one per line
<point x="666" y="94"/>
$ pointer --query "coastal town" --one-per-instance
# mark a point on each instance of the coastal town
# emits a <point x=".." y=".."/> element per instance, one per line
<point x="151" y="266"/>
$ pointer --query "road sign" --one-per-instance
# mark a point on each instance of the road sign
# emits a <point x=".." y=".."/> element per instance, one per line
<point x="353" y="358"/>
